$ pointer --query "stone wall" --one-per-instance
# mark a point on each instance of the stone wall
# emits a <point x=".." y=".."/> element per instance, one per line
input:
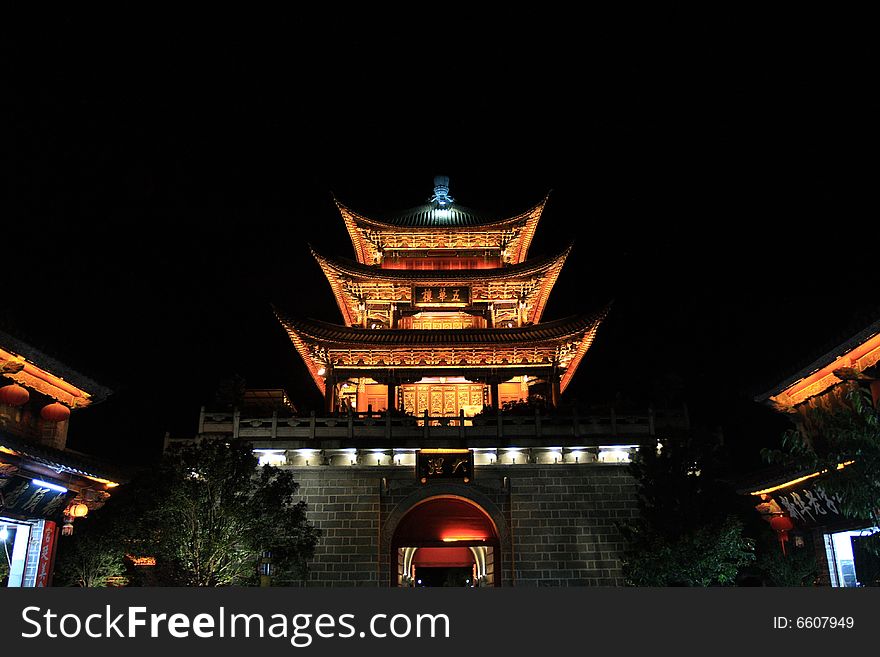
<point x="555" y="522"/>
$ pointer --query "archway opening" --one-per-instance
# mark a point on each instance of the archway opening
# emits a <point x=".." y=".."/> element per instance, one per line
<point x="446" y="541"/>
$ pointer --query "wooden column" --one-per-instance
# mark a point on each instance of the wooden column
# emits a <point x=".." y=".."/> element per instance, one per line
<point x="554" y="387"/>
<point x="330" y="393"/>
<point x="392" y="395"/>
<point x="493" y="393"/>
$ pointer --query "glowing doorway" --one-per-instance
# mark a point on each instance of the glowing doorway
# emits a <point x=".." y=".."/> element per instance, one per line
<point x="446" y="541"/>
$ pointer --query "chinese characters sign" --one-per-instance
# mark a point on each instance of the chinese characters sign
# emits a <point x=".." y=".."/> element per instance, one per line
<point x="47" y="548"/>
<point x="444" y="464"/>
<point x="811" y="507"/>
<point x="22" y="497"/>
<point x="457" y="297"/>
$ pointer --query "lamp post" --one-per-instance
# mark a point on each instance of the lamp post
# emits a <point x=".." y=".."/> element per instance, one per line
<point x="266" y="568"/>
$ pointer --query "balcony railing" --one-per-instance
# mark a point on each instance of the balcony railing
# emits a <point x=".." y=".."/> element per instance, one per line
<point x="383" y="430"/>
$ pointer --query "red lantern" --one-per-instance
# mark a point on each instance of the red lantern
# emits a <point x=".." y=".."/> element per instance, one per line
<point x="78" y="510"/>
<point x="14" y="395"/>
<point x="55" y="412"/>
<point x="782" y="525"/>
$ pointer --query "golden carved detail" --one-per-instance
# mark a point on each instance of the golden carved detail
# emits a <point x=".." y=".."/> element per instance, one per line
<point x="13" y="366"/>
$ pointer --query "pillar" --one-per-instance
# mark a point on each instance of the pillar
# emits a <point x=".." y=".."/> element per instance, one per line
<point x="493" y="393"/>
<point x="392" y="396"/>
<point x="330" y="393"/>
<point x="554" y="387"/>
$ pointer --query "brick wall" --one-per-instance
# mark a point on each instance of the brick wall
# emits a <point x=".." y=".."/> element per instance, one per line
<point x="556" y="522"/>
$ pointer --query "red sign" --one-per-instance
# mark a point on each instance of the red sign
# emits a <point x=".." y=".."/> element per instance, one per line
<point x="47" y="550"/>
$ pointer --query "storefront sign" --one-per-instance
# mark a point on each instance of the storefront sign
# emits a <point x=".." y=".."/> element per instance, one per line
<point x="444" y="464"/>
<point x="810" y="507"/>
<point x="27" y="499"/>
<point x="433" y="296"/>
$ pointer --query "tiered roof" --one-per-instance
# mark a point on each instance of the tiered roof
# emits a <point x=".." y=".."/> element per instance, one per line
<point x="530" y="281"/>
<point x="430" y="227"/>
<point x="437" y="234"/>
<point x="563" y="342"/>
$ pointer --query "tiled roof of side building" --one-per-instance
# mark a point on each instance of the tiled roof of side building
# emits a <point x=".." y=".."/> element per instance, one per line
<point x="50" y="364"/>
<point x="825" y="360"/>
<point x="65" y="461"/>
<point x="546" y="331"/>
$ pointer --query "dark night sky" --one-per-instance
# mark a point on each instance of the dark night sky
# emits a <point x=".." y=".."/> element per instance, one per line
<point x="160" y="188"/>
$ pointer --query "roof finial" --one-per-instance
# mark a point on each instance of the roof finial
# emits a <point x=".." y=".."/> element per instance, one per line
<point x="441" y="191"/>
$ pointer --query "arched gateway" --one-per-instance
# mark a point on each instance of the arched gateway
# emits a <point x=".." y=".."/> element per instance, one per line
<point x="445" y="538"/>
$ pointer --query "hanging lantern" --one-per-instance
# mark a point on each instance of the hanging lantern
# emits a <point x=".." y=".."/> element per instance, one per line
<point x="55" y="412"/>
<point x="14" y="395"/>
<point x="782" y="525"/>
<point x="77" y="510"/>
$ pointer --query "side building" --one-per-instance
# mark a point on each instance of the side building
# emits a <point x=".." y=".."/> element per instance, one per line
<point x="443" y="454"/>
<point x="793" y="501"/>
<point x="44" y="486"/>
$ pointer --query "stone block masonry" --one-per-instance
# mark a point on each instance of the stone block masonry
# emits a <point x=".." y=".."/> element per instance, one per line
<point x="556" y="522"/>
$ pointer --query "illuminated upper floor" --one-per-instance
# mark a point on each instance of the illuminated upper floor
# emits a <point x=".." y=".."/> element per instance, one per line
<point x="441" y="234"/>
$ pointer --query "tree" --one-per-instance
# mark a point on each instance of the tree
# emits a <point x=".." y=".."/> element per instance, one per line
<point x="797" y="567"/>
<point x="689" y="532"/>
<point x="839" y="436"/>
<point x="208" y="513"/>
<point x="90" y="557"/>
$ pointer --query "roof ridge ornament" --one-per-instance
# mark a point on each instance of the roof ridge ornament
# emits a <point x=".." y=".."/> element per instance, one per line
<point x="441" y="192"/>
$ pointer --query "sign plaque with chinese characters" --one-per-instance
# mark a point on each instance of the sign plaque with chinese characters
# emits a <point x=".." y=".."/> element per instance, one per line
<point x="446" y="464"/>
<point x="435" y="295"/>
<point x="811" y="507"/>
<point x="26" y="498"/>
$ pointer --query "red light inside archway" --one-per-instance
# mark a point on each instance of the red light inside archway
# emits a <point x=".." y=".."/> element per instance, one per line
<point x="451" y="557"/>
<point x="445" y="521"/>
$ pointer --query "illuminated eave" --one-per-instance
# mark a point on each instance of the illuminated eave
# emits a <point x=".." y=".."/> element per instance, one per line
<point x="862" y="356"/>
<point x="547" y="270"/>
<point x="29" y="375"/>
<point x="302" y="349"/>
<point x="528" y="231"/>
<point x="584" y="345"/>
<point x="797" y="480"/>
<point x="368" y="252"/>
<point x="322" y="346"/>
<point x="49" y="464"/>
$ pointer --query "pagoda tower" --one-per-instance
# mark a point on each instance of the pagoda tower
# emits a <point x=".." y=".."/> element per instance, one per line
<point x="442" y="312"/>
